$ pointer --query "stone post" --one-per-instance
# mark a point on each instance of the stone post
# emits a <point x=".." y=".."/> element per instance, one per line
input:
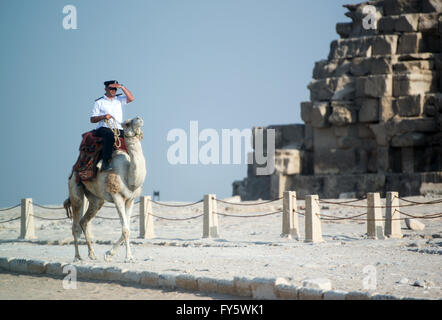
<point x="146" y="218"/>
<point x="313" y="231"/>
<point x="392" y="226"/>
<point x="27" y="231"/>
<point x="375" y="228"/>
<point x="210" y="221"/>
<point x="290" y="225"/>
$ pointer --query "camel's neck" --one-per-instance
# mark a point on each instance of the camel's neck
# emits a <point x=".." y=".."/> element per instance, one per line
<point x="137" y="169"/>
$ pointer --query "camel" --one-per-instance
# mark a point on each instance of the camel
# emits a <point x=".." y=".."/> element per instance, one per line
<point x="120" y="185"/>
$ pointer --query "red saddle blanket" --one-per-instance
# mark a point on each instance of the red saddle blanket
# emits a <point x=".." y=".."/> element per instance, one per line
<point x="91" y="148"/>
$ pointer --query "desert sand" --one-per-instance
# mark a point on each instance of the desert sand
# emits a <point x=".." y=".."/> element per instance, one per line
<point x="251" y="247"/>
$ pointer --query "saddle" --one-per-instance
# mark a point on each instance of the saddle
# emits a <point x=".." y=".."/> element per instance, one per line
<point x="91" y="148"/>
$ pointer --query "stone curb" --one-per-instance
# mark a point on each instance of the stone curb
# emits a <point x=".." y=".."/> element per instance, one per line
<point x="256" y="288"/>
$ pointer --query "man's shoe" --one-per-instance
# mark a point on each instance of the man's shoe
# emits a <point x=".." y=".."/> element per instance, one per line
<point x="106" y="166"/>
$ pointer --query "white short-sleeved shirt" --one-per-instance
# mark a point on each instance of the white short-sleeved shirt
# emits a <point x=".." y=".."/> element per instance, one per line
<point x="104" y="106"/>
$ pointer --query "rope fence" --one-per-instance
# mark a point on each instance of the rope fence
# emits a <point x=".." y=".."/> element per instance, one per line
<point x="290" y="212"/>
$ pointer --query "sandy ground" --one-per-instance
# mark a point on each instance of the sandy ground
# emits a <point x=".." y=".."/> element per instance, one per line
<point x="250" y="247"/>
<point x="15" y="286"/>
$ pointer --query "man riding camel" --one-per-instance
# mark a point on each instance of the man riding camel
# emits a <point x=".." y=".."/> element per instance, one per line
<point x="106" y="107"/>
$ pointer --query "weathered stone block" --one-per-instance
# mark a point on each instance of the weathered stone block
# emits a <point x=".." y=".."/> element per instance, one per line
<point x="18" y="265"/>
<point x="263" y="288"/>
<point x="114" y="274"/>
<point x="371" y="66"/>
<point x="149" y="279"/>
<point x="407" y="23"/>
<point x="369" y="111"/>
<point x="97" y="273"/>
<point x="349" y="48"/>
<point x="322" y="89"/>
<point x="308" y="139"/>
<point x="324" y="69"/>
<point x="288" y="161"/>
<point x="432" y="42"/>
<point x="383" y="159"/>
<point x="334" y="161"/>
<point x="358" y="295"/>
<point x="133" y="277"/>
<point x="344" y="88"/>
<point x="306" y="111"/>
<point x="335" y="295"/>
<point x="287" y="292"/>
<point x="349" y="142"/>
<point x="410" y="43"/>
<point x="385" y="45"/>
<point x="364" y="131"/>
<point x="414" y="83"/>
<point x="431" y="6"/>
<point x="225" y="286"/>
<point x="428" y="22"/>
<point x="293" y="134"/>
<point x="396" y="7"/>
<point x="410" y="139"/>
<point x="374" y="86"/>
<point x="414" y="224"/>
<point x="167" y="280"/>
<point x="340" y="88"/>
<point x="344" y="29"/>
<point x="319" y="114"/>
<point x="343" y="69"/>
<point x="243" y="286"/>
<point x="412" y="125"/>
<point x="37" y="266"/>
<point x="187" y="282"/>
<point x="381" y="133"/>
<point x="387" y="24"/>
<point x="409" y="106"/>
<point x="55" y="268"/>
<point x="413" y="66"/>
<point x="342" y="115"/>
<point x="310" y="294"/>
<point x="344" y="131"/>
<point x="207" y="285"/>
<point x="386" y="108"/>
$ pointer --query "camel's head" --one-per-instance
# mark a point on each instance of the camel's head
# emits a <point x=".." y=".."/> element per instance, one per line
<point x="132" y="128"/>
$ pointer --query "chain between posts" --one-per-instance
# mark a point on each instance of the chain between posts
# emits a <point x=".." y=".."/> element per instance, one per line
<point x="176" y="219"/>
<point x="10" y="208"/>
<point x="10" y="220"/>
<point x="248" y="216"/>
<point x="176" y="205"/>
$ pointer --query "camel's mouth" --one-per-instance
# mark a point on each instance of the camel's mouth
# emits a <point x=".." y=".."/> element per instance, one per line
<point x="137" y="123"/>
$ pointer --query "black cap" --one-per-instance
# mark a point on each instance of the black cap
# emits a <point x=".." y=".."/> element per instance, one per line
<point x="107" y="83"/>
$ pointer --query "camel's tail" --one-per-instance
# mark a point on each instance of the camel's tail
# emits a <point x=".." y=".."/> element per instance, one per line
<point x="68" y="207"/>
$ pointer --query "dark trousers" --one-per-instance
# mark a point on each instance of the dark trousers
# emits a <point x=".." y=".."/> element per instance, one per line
<point x="108" y="141"/>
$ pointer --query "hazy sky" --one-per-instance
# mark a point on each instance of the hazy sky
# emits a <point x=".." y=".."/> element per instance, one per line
<point x="224" y="63"/>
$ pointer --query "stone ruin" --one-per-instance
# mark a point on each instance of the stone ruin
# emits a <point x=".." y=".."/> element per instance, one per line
<point x="374" y="119"/>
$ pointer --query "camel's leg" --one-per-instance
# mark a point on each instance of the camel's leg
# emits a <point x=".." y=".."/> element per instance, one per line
<point x="95" y="204"/>
<point x="129" y="206"/>
<point x="120" y="205"/>
<point x="76" y="198"/>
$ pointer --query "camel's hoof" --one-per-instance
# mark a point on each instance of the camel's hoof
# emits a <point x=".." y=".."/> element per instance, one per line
<point x="108" y="257"/>
<point x="93" y="257"/>
<point x="78" y="258"/>
<point x="129" y="260"/>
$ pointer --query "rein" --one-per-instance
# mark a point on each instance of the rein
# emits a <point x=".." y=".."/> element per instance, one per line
<point x="115" y="131"/>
